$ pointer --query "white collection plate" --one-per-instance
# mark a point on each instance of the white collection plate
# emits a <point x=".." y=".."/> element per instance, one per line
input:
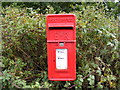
<point x="61" y="58"/>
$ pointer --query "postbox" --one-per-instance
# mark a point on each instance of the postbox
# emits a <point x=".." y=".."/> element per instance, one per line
<point x="61" y="46"/>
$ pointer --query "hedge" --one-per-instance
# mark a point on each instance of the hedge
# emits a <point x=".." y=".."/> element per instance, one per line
<point x="24" y="59"/>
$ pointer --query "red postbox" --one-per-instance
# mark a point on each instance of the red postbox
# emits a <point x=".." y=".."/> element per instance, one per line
<point x="61" y="47"/>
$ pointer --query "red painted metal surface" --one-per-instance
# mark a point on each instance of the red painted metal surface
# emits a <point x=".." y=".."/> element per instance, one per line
<point x="61" y="38"/>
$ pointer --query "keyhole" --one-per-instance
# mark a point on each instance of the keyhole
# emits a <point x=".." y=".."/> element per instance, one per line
<point x="61" y="44"/>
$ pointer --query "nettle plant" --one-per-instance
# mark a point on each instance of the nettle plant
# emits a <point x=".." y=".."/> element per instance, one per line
<point x="24" y="50"/>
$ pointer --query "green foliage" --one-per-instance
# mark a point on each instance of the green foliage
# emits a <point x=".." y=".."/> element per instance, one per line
<point x="45" y="7"/>
<point x="24" y="49"/>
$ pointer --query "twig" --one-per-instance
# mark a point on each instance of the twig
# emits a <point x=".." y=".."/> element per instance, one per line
<point x="10" y="81"/>
<point x="71" y="86"/>
<point x="23" y="51"/>
<point x="14" y="84"/>
<point x="88" y="74"/>
<point x="82" y="78"/>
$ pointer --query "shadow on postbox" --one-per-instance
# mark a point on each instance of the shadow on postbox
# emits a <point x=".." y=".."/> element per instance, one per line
<point x="61" y="47"/>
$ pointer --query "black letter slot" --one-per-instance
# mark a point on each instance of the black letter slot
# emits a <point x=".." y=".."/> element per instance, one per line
<point x="51" y="28"/>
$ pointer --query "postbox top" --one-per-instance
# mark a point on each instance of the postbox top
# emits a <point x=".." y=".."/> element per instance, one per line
<point x="61" y="18"/>
<point x="60" y="15"/>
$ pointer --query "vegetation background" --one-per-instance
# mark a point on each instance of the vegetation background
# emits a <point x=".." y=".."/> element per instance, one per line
<point x="24" y="58"/>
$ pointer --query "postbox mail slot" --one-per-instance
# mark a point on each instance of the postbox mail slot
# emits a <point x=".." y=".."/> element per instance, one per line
<point x="62" y="28"/>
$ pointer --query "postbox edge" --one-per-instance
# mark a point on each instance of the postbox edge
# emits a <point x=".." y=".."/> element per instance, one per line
<point x="60" y="15"/>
